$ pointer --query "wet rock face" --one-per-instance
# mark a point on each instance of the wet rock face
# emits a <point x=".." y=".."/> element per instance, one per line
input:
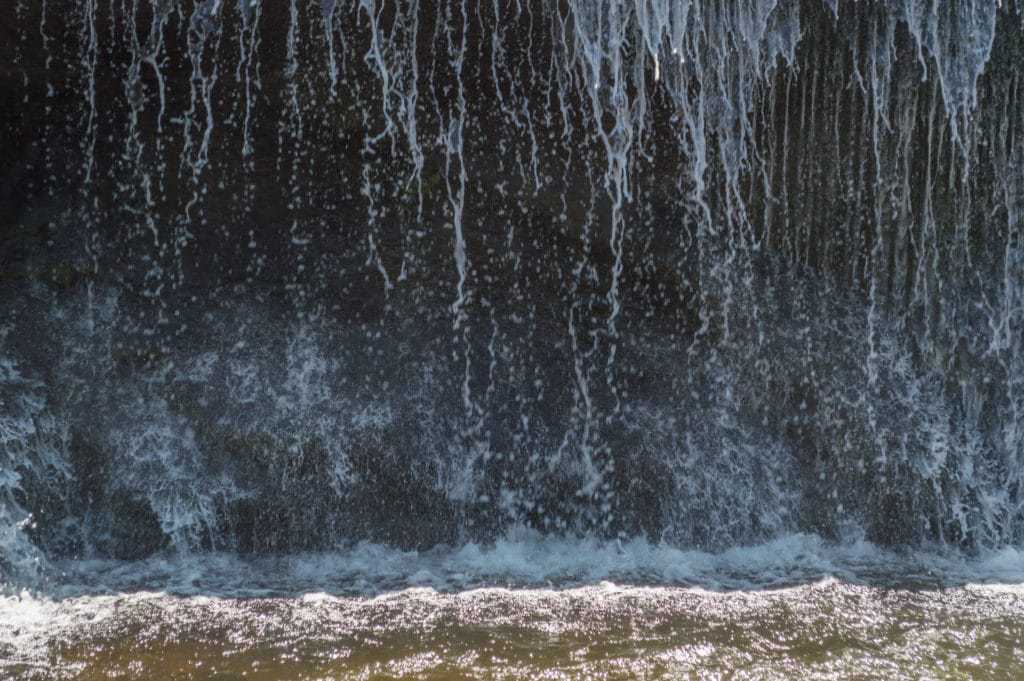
<point x="283" y="275"/>
<point x="256" y="137"/>
<point x="135" y="530"/>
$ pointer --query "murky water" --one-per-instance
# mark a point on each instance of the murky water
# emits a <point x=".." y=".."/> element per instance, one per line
<point x="768" y="612"/>
<point x="823" y="630"/>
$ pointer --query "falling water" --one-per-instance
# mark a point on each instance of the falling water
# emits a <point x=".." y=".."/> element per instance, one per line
<point x="284" y="276"/>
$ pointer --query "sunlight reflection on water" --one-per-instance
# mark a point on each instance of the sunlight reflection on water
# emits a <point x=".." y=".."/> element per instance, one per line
<point x="527" y="609"/>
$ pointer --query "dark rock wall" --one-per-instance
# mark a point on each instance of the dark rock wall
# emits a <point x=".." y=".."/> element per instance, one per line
<point x="673" y="264"/>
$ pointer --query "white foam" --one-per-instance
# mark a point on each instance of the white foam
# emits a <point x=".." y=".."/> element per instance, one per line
<point x="534" y="572"/>
<point x="524" y="558"/>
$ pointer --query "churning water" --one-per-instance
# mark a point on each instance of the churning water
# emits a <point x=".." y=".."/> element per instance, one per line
<point x="528" y="607"/>
<point x="472" y="337"/>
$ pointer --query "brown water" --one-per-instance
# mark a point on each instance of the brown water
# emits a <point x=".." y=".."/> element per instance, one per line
<point x="823" y="630"/>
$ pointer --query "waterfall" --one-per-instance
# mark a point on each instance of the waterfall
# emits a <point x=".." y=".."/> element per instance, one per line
<point x="285" y="275"/>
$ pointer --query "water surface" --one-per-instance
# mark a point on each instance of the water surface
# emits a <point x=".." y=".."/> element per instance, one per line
<point x="529" y="609"/>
